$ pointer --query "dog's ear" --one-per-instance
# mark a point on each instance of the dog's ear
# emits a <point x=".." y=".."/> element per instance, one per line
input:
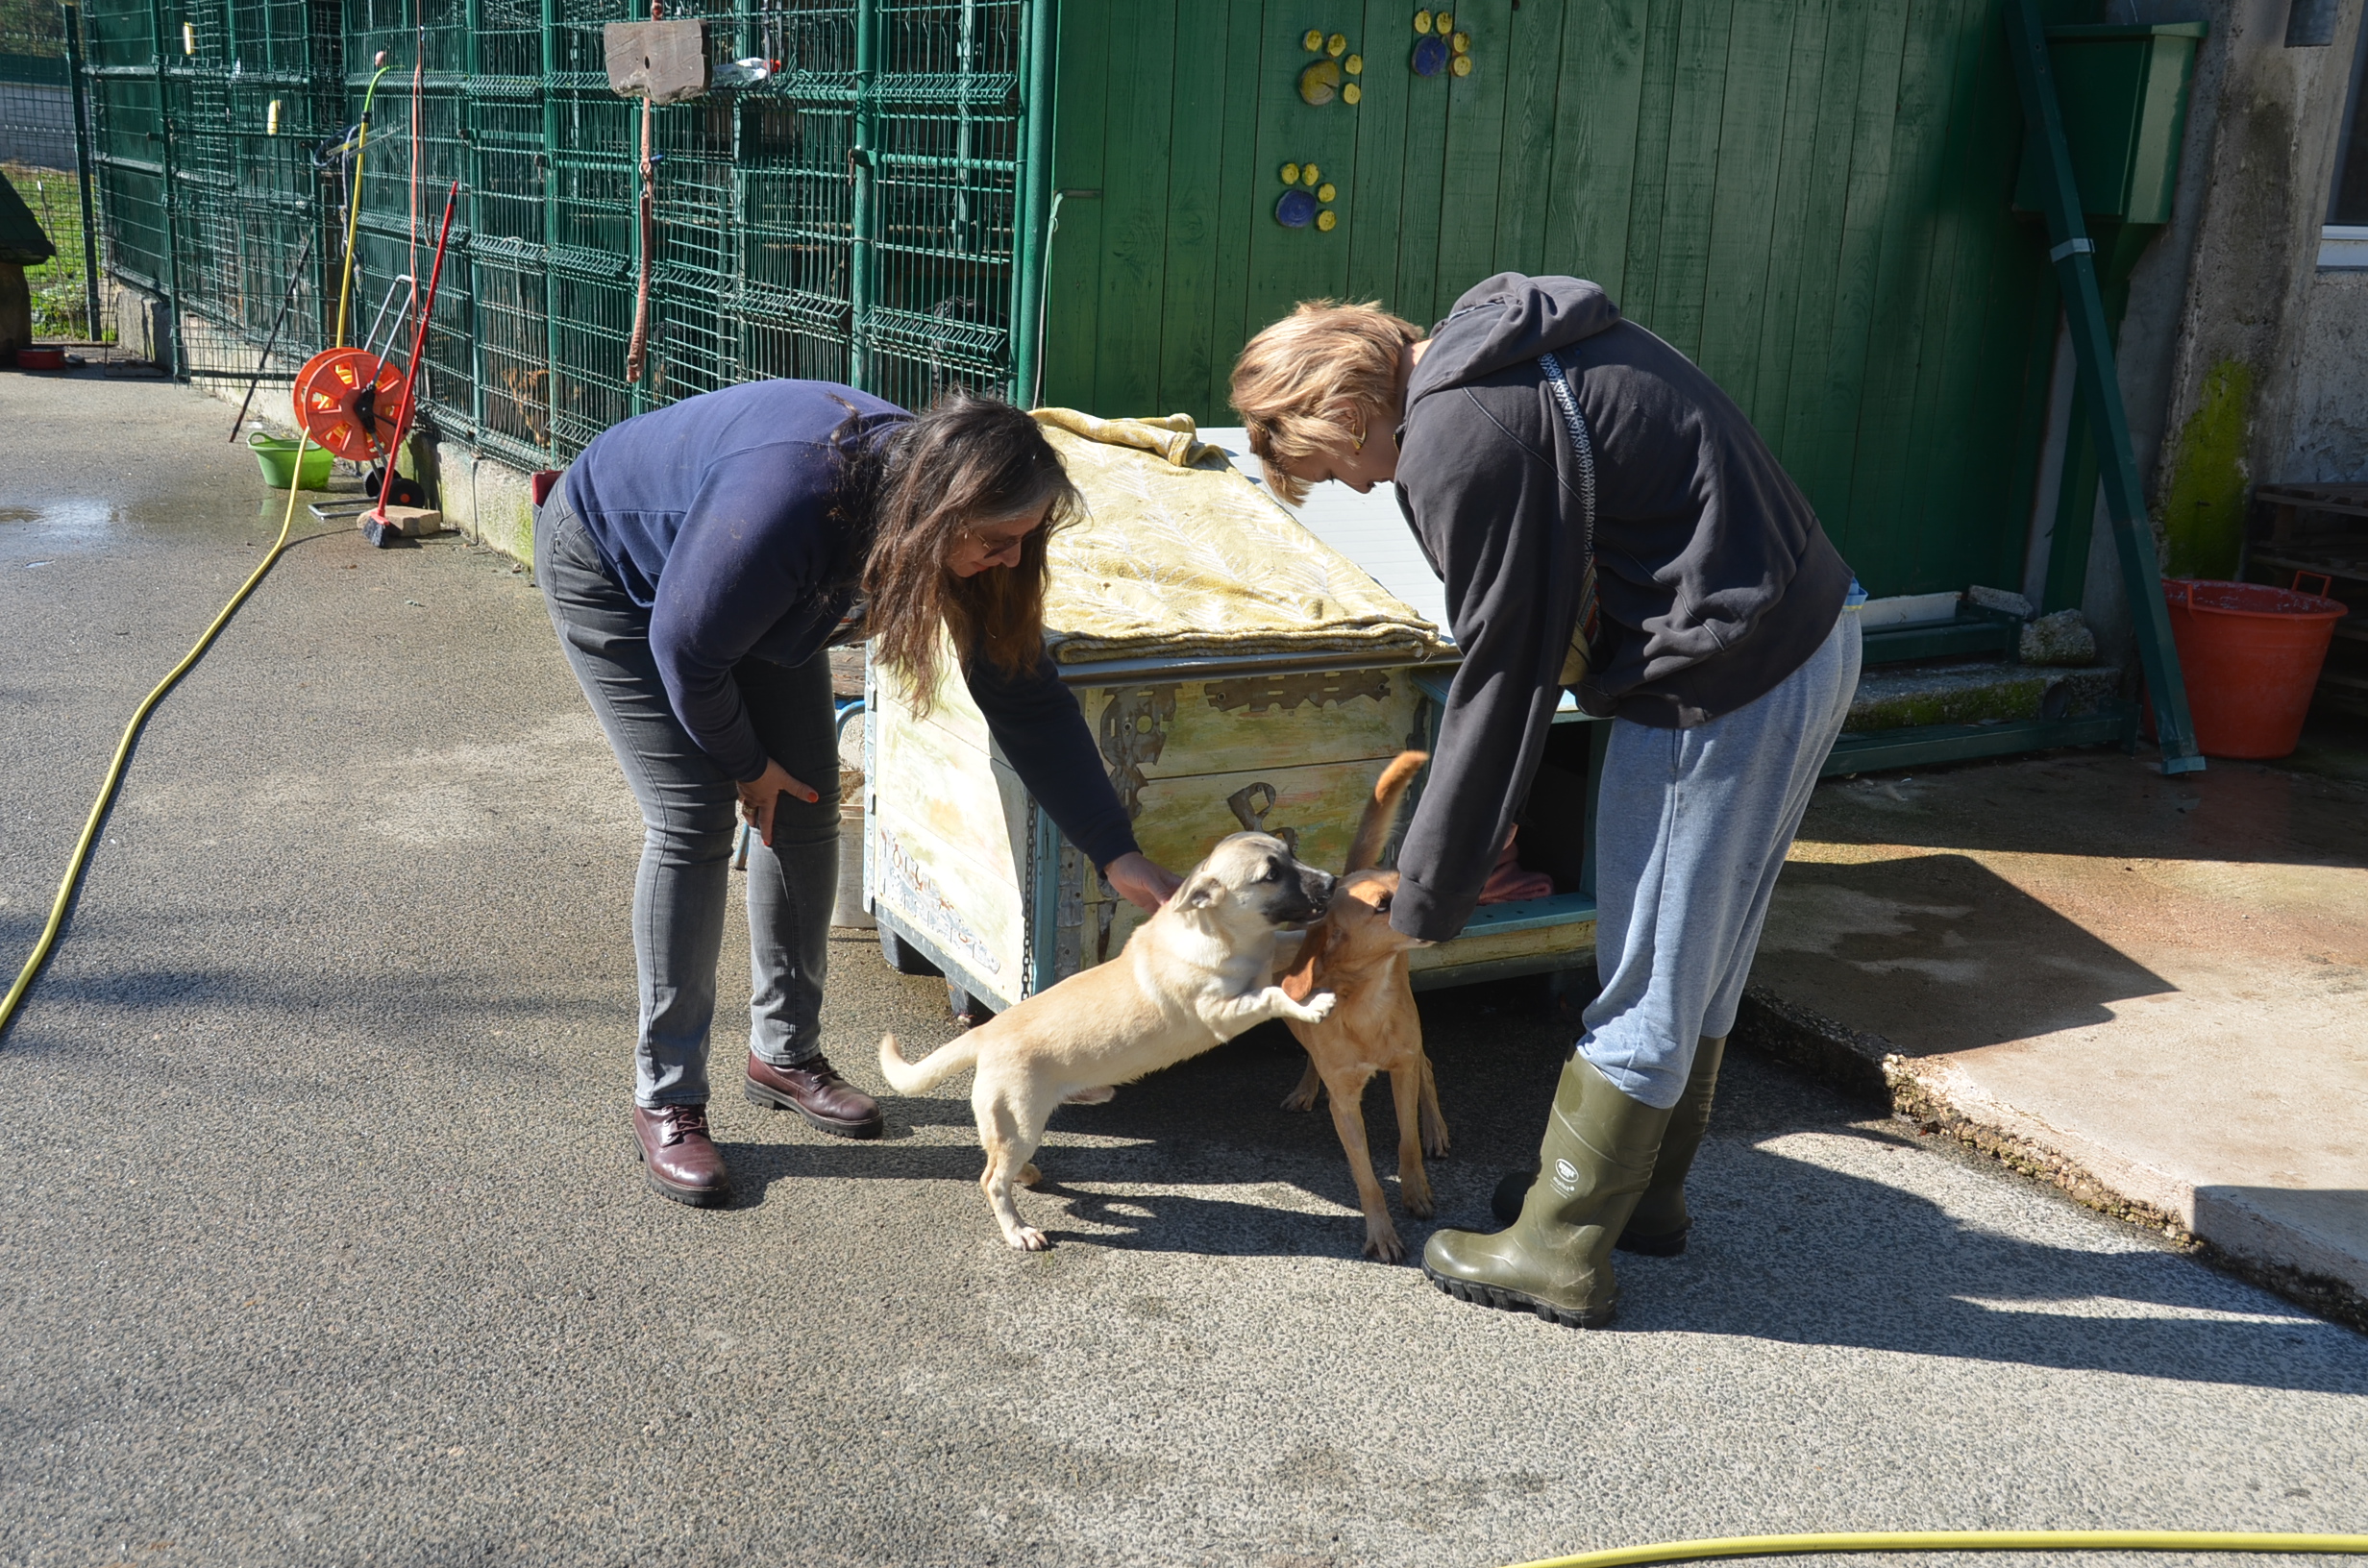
<point x="1299" y="981"/>
<point x="1199" y="892"/>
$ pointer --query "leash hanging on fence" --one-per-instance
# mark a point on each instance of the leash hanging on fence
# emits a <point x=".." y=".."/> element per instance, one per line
<point x="637" y="351"/>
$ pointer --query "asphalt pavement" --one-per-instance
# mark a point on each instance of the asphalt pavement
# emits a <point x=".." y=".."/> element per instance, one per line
<point x="320" y="1242"/>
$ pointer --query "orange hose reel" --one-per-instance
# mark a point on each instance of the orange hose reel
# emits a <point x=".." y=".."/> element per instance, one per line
<point x="347" y="400"/>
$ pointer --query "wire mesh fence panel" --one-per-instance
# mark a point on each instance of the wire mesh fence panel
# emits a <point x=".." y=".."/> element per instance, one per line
<point x="850" y="216"/>
<point x="127" y="128"/>
<point x="948" y="126"/>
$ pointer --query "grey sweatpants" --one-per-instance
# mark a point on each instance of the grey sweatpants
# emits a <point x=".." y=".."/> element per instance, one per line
<point x="1692" y="826"/>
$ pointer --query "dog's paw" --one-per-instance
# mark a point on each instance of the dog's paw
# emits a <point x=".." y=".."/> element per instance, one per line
<point x="1028" y="1239"/>
<point x="1029" y="1175"/>
<point x="1435" y="1140"/>
<point x="1316" y="1009"/>
<point x="1302" y="1098"/>
<point x="1381" y="1241"/>
<point x="1414" y="1197"/>
<point x="1092" y="1096"/>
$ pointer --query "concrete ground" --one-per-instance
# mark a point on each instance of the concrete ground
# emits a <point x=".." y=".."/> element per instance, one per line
<point x="320" y="1244"/>
<point x="2155" y="983"/>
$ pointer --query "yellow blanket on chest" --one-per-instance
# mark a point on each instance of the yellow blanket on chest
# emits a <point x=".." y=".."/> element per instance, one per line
<point x="1179" y="553"/>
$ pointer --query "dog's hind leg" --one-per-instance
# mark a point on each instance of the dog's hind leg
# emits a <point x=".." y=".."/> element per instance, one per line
<point x="1311" y="1084"/>
<point x="1347" y="1094"/>
<point x="1434" y="1122"/>
<point x="1009" y="1143"/>
<point x="1414" y="1183"/>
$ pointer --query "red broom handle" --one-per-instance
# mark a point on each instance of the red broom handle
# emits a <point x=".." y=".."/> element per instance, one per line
<point x="419" y="342"/>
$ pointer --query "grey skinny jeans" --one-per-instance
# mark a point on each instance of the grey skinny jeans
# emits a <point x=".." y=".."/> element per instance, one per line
<point x="689" y="811"/>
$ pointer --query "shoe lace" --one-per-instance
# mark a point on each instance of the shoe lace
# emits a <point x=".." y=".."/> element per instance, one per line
<point x="684" y="1121"/>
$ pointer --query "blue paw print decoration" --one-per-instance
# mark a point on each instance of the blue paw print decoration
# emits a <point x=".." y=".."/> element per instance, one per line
<point x="1306" y="200"/>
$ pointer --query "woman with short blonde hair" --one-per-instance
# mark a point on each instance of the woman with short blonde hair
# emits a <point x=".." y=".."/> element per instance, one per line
<point x="1316" y="379"/>
<point x="1606" y="522"/>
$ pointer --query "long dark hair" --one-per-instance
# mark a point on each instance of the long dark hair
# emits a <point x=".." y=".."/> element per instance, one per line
<point x="967" y="458"/>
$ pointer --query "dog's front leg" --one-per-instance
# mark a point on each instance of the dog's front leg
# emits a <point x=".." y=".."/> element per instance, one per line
<point x="1347" y="1094"/>
<point x="1414" y="1183"/>
<point x="1434" y="1124"/>
<point x="1235" y="1013"/>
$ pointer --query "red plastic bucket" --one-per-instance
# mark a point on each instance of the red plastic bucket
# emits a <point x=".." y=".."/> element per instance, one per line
<point x="2251" y="655"/>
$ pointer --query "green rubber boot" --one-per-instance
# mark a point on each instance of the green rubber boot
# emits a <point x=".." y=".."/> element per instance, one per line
<point x="1659" y="1226"/>
<point x="1556" y="1261"/>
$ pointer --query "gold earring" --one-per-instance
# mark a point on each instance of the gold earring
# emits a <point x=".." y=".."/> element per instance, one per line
<point x="1360" y="446"/>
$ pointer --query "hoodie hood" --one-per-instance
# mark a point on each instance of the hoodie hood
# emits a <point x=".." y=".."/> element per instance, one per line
<point x="1505" y="321"/>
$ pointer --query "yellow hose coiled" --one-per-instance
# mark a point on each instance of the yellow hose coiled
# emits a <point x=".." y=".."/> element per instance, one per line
<point x="123" y="751"/>
<point x="1959" y="1540"/>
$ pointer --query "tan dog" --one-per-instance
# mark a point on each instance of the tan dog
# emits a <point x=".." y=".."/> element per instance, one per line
<point x="1192" y="977"/>
<point x="1374" y="1026"/>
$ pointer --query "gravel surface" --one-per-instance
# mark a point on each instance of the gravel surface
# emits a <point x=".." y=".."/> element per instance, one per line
<point x="320" y="1242"/>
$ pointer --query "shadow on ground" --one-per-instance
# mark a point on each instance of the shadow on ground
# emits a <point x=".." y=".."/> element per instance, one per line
<point x="1951" y="942"/>
<point x="1798" y="1239"/>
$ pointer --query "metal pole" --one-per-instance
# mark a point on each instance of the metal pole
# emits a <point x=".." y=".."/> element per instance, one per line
<point x="1035" y="186"/>
<point x="80" y="101"/>
<point x="2100" y="388"/>
<point x="464" y="126"/>
<point x="172" y="227"/>
<point x="550" y="225"/>
<point x="859" y="261"/>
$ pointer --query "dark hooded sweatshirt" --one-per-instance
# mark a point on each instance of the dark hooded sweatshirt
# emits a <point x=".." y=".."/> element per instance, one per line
<point x="1715" y="581"/>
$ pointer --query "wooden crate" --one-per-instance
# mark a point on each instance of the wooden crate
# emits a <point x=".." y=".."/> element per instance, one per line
<point x="963" y="866"/>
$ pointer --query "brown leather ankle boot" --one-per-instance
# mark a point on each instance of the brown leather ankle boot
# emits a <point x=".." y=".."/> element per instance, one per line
<point x="679" y="1159"/>
<point x="815" y="1091"/>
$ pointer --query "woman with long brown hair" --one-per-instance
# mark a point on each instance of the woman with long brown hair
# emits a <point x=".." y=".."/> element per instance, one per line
<point x="697" y="562"/>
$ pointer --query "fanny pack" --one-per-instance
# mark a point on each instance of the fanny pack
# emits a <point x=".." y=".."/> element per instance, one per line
<point x="1580" y="659"/>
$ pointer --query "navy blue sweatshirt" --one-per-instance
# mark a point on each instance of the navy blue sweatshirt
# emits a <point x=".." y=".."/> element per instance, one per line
<point x="714" y="513"/>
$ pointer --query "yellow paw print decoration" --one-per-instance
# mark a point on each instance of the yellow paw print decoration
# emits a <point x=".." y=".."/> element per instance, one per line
<point x="1333" y="73"/>
<point x="1306" y="201"/>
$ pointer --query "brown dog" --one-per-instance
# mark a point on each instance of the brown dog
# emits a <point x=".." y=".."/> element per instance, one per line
<point x="1374" y="1027"/>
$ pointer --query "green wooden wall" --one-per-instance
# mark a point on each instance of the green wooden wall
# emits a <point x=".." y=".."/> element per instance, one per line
<point x="1810" y="197"/>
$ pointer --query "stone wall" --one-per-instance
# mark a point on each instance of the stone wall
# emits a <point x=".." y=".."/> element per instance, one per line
<point x="2243" y="361"/>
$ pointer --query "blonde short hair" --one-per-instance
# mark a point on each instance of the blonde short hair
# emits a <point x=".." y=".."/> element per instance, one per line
<point x="1291" y="378"/>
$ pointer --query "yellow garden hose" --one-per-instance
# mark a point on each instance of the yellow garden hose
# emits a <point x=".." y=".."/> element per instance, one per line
<point x="1960" y="1540"/>
<point x="123" y="751"/>
<point x="353" y="217"/>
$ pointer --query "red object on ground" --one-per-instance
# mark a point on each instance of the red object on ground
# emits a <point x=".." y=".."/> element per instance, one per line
<point x="2249" y="654"/>
<point x="41" y="358"/>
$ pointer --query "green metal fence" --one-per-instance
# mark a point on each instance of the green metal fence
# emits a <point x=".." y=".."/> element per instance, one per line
<point x="853" y="217"/>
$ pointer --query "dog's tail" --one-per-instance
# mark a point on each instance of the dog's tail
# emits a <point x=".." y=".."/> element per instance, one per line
<point x="912" y="1077"/>
<point x="1382" y="810"/>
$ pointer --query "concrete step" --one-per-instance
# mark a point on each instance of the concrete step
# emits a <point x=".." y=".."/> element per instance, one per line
<point x="1972" y="692"/>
